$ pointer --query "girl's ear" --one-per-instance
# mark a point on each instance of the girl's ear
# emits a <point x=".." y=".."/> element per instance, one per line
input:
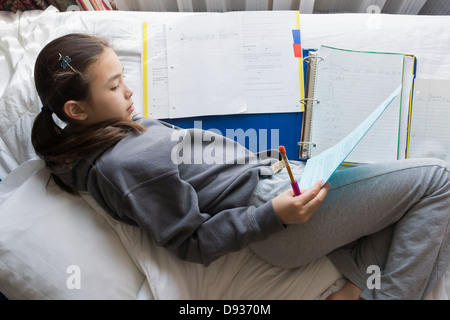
<point x="75" y="110"/>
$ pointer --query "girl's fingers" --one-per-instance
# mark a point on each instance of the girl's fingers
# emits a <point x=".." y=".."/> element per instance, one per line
<point x="314" y="204"/>
<point x="294" y="210"/>
<point x="311" y="193"/>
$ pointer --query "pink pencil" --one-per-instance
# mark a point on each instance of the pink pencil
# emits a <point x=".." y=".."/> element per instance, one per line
<point x="291" y="176"/>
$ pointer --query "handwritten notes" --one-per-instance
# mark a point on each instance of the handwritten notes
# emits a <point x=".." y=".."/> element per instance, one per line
<point x="430" y="121"/>
<point x="350" y="85"/>
<point x="323" y="165"/>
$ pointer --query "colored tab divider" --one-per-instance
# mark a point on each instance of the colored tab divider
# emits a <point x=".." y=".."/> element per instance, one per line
<point x="296" y="36"/>
<point x="297" y="50"/>
<point x="297" y="43"/>
<point x="298" y="53"/>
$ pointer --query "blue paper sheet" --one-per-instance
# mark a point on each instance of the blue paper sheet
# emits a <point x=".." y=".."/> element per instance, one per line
<point x="323" y="165"/>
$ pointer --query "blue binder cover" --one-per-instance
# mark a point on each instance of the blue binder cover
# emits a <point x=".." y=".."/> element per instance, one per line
<point x="289" y="126"/>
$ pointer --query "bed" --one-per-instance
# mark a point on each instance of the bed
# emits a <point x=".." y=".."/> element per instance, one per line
<point x="58" y="246"/>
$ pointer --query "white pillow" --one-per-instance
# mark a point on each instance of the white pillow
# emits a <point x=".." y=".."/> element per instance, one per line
<point x="54" y="246"/>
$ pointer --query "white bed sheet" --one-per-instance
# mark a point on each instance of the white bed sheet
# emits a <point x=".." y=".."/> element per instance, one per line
<point x="151" y="271"/>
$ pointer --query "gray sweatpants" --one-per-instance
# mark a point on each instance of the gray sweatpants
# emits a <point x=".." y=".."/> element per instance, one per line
<point x="393" y="215"/>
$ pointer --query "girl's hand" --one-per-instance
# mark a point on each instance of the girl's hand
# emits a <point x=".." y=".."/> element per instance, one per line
<point x="295" y="210"/>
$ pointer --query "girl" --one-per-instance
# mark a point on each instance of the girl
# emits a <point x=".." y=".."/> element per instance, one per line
<point x="393" y="216"/>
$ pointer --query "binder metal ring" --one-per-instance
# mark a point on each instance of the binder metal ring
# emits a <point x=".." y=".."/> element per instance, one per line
<point x="312" y="144"/>
<point x="303" y="101"/>
<point x="306" y="59"/>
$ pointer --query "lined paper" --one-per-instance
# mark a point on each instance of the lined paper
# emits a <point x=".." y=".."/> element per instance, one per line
<point x="430" y="120"/>
<point x="350" y="86"/>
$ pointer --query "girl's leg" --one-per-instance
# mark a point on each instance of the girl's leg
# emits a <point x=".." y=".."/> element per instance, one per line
<point x="358" y="218"/>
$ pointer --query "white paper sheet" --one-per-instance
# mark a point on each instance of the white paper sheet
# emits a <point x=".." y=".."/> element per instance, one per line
<point x="156" y="72"/>
<point x="272" y="74"/>
<point x="323" y="165"/>
<point x="430" y="121"/>
<point x="242" y="63"/>
<point x="195" y="46"/>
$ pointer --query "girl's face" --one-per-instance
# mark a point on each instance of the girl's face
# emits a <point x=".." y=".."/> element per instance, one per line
<point x="110" y="96"/>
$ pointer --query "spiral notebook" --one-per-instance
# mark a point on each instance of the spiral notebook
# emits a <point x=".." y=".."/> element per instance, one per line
<point x="343" y="88"/>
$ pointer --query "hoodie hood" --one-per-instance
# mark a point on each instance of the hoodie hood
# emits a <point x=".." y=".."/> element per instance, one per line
<point x="76" y="175"/>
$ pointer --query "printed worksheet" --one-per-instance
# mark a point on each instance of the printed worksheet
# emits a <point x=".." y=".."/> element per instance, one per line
<point x="205" y="66"/>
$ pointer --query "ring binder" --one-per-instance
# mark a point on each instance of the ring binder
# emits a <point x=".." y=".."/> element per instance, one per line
<point x="304" y="144"/>
<point x="331" y="81"/>
<point x="306" y="59"/>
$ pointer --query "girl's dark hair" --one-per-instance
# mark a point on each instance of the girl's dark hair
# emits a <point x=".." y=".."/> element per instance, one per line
<point x="57" y="85"/>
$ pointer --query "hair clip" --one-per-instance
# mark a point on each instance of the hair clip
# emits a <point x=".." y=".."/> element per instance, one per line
<point x="66" y="63"/>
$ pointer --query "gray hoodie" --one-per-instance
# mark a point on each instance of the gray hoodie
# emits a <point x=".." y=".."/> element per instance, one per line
<point x="188" y="189"/>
